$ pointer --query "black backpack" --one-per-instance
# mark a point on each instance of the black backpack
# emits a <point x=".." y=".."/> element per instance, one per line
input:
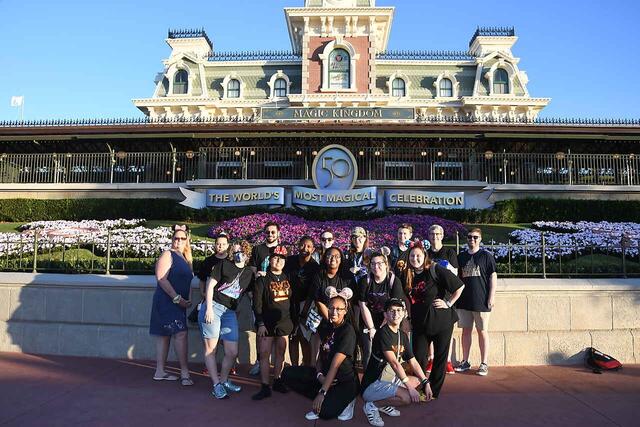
<point x="597" y="361"/>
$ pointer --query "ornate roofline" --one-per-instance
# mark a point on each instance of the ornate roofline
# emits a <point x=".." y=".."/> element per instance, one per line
<point x="493" y="32"/>
<point x="189" y="34"/>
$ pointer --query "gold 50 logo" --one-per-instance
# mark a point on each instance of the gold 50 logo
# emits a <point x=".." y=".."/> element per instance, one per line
<point x="334" y="168"/>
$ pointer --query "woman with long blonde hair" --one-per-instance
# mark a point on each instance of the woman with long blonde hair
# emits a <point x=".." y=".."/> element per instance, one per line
<point x="170" y="302"/>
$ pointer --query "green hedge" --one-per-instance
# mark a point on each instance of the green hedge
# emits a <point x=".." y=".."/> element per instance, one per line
<point x="504" y="212"/>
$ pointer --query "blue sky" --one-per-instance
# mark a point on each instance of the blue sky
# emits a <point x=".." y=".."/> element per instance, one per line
<point x="83" y="59"/>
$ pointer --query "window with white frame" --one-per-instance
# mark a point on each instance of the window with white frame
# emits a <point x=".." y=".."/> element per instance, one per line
<point x="446" y="88"/>
<point x="280" y="88"/>
<point x="233" y="88"/>
<point x="500" y="82"/>
<point x="398" y="88"/>
<point x="339" y="69"/>
<point x="181" y="83"/>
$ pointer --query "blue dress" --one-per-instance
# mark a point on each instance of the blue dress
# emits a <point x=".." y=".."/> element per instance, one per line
<point x="168" y="318"/>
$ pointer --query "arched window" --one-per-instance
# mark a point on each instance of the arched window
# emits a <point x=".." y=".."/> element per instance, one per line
<point x="446" y="88"/>
<point x="181" y="83"/>
<point x="339" y="69"/>
<point x="280" y="88"/>
<point x="233" y="88"/>
<point x="500" y="82"/>
<point x="398" y="88"/>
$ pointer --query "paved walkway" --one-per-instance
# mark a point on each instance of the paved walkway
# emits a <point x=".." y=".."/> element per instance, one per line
<point x="66" y="391"/>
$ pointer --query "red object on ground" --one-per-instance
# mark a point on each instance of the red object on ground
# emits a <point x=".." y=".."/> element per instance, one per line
<point x="62" y="391"/>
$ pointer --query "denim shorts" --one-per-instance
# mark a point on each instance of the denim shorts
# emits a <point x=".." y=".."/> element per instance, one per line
<point x="224" y="325"/>
<point x="381" y="390"/>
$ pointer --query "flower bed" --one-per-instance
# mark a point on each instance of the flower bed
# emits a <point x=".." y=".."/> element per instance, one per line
<point x="382" y="231"/>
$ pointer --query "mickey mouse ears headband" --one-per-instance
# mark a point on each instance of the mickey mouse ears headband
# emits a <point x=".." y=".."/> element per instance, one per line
<point x="345" y="293"/>
<point x="183" y="227"/>
<point x="417" y="243"/>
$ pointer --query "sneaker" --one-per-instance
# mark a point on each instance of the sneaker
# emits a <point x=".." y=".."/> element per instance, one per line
<point x="255" y="369"/>
<point x="229" y="386"/>
<point x="483" y="369"/>
<point x="429" y="366"/>
<point x="347" y="413"/>
<point x="450" y="369"/>
<point x="463" y="366"/>
<point x="279" y="386"/>
<point x="265" y="391"/>
<point x="389" y="410"/>
<point x="311" y="416"/>
<point x="373" y="414"/>
<point x="219" y="391"/>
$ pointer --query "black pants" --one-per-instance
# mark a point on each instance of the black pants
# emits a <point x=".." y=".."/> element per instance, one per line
<point x="302" y="379"/>
<point x="441" y="342"/>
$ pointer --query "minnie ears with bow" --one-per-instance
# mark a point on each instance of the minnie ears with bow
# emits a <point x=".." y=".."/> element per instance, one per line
<point x="345" y="293"/>
<point x="183" y="227"/>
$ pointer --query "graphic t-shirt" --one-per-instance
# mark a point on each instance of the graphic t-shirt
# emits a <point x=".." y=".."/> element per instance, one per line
<point x="399" y="260"/>
<point x="475" y="271"/>
<point x="425" y="317"/>
<point x="375" y="295"/>
<point x="260" y="257"/>
<point x="232" y="282"/>
<point x="386" y="340"/>
<point x="272" y="301"/>
<point x="321" y="282"/>
<point x="339" y="340"/>
<point x="356" y="266"/>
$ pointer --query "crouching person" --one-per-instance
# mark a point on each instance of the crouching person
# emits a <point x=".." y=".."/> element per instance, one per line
<point x="385" y="383"/>
<point x="333" y="384"/>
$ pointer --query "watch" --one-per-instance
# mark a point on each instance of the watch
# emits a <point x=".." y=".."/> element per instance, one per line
<point x="322" y="392"/>
<point x="176" y="299"/>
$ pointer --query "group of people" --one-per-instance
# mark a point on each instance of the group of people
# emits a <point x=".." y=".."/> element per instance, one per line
<point x="392" y="310"/>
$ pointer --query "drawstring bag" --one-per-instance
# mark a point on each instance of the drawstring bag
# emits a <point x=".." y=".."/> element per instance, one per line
<point x="597" y="361"/>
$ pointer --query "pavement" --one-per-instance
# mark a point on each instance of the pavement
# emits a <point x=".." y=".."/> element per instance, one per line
<point x="38" y="390"/>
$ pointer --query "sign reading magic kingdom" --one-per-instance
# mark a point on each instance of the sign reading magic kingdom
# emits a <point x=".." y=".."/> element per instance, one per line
<point x="350" y="113"/>
<point x="334" y="173"/>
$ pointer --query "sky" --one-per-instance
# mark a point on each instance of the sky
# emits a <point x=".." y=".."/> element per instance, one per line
<point x="88" y="59"/>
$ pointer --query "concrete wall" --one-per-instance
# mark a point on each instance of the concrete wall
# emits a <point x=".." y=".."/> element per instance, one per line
<point x="535" y="321"/>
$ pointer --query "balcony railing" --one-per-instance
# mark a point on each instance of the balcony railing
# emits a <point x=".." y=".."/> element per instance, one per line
<point x="290" y="162"/>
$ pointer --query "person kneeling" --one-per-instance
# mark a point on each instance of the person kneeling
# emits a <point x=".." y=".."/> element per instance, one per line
<point x="272" y="306"/>
<point x="385" y="381"/>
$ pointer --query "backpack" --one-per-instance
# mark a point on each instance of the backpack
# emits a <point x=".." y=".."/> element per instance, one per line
<point x="597" y="361"/>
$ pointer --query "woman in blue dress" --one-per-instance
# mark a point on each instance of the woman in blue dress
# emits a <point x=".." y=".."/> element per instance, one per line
<point x="170" y="302"/>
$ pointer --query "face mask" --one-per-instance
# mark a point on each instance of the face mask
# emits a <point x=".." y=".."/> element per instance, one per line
<point x="238" y="257"/>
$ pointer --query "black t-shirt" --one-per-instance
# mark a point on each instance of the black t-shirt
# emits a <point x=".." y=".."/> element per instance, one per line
<point x="385" y="340"/>
<point x="272" y="302"/>
<point x="260" y="256"/>
<point x="232" y="282"/>
<point x="475" y="271"/>
<point x="207" y="265"/>
<point x="321" y="282"/>
<point x="444" y="254"/>
<point x="375" y="295"/>
<point x="300" y="277"/>
<point x="424" y="317"/>
<point x="355" y="267"/>
<point x="339" y="340"/>
<point x="399" y="260"/>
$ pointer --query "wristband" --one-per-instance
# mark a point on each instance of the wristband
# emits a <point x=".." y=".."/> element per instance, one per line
<point x="176" y="299"/>
<point x="448" y="303"/>
<point x="322" y="392"/>
<point x="405" y="380"/>
<point x="424" y="382"/>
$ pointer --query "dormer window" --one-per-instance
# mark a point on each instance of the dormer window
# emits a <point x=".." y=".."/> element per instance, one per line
<point x="445" y="89"/>
<point x="398" y="88"/>
<point x="500" y="82"/>
<point x="280" y="88"/>
<point x="181" y="83"/>
<point x="339" y="69"/>
<point x="233" y="88"/>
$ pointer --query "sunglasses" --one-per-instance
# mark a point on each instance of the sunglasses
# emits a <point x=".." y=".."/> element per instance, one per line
<point x="470" y="237"/>
<point x="180" y="238"/>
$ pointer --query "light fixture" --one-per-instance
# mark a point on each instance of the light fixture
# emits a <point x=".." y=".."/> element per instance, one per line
<point x="189" y="154"/>
<point x="488" y="154"/>
<point x="439" y="153"/>
<point x="121" y="154"/>
<point x="424" y="153"/>
<point x="168" y="172"/>
<point x="314" y="152"/>
<point x="253" y="153"/>
<point x="236" y="153"/>
<point x="178" y="169"/>
<point x="361" y="153"/>
<point x="560" y="155"/>
<point x="298" y="153"/>
<point x="377" y="153"/>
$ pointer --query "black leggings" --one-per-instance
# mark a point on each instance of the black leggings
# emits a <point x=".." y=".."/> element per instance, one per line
<point x="441" y="342"/>
<point x="302" y="379"/>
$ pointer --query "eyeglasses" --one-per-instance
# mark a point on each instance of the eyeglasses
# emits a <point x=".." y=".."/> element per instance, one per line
<point x="337" y="309"/>
<point x="471" y="237"/>
<point x="333" y="257"/>
<point x="378" y="264"/>
<point x="327" y="239"/>
<point x="175" y="239"/>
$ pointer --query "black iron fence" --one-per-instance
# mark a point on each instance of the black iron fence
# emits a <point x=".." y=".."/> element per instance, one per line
<point x="115" y="254"/>
<point x="287" y="162"/>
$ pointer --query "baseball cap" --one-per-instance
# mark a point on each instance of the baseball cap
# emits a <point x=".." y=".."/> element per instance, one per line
<point x="393" y="302"/>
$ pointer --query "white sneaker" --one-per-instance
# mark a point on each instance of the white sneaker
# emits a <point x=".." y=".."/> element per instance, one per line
<point x="311" y="416"/>
<point x="373" y="415"/>
<point x="255" y="369"/>
<point x="390" y="411"/>
<point x="347" y="414"/>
